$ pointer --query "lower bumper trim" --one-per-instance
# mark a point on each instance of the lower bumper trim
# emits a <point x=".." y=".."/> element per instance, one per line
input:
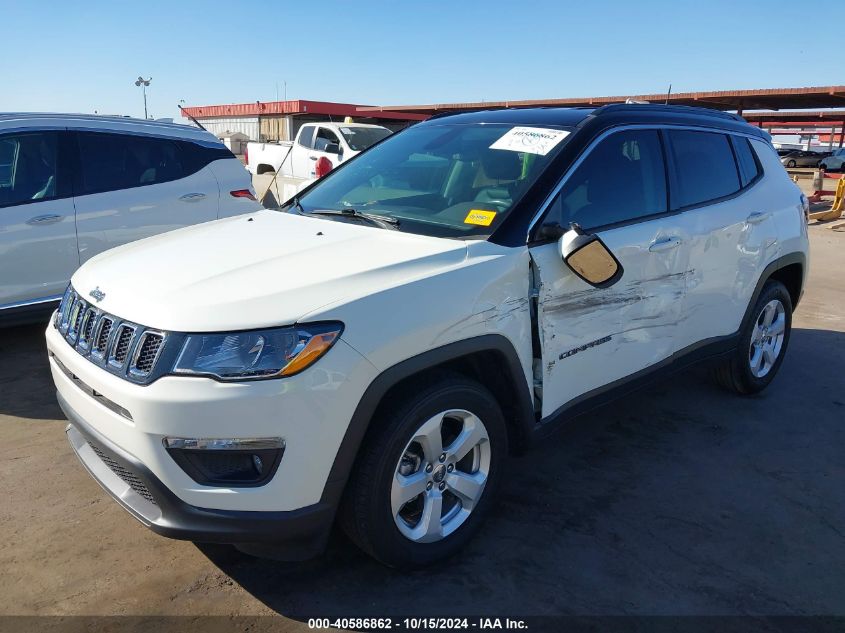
<point x="302" y="532"/>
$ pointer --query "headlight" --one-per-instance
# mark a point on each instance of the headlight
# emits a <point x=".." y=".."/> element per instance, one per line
<point x="257" y="353"/>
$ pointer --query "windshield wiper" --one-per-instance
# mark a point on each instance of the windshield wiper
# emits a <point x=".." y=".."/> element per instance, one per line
<point x="383" y="221"/>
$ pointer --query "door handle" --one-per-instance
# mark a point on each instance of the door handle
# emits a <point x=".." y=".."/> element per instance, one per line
<point x="192" y="197"/>
<point x="757" y="217"/>
<point x="312" y="157"/>
<point x="41" y="220"/>
<point x="664" y="245"/>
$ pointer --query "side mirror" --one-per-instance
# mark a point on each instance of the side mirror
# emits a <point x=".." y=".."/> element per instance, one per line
<point x="332" y="148"/>
<point x="589" y="258"/>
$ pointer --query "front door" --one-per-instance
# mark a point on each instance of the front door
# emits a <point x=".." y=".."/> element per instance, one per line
<point x="593" y="337"/>
<point x="38" y="251"/>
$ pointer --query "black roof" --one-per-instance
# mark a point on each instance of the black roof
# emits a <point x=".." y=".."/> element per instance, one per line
<point x="609" y="115"/>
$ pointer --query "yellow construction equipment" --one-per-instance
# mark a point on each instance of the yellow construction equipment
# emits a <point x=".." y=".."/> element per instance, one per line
<point x="839" y="198"/>
<point x="836" y="208"/>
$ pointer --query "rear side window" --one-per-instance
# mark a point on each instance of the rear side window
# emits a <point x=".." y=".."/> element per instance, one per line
<point x="623" y="178"/>
<point x="704" y="167"/>
<point x="306" y="136"/>
<point x="111" y="162"/>
<point x="748" y="167"/>
<point x="28" y="167"/>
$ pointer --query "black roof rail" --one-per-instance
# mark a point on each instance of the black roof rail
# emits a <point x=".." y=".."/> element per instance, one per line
<point x="679" y="109"/>
<point x="456" y="111"/>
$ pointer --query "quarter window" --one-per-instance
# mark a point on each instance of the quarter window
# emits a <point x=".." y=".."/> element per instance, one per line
<point x="111" y="162"/>
<point x="748" y="167"/>
<point x="28" y="168"/>
<point x="704" y="166"/>
<point x="622" y="179"/>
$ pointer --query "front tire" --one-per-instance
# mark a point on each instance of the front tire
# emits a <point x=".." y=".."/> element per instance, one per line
<point x="791" y="163"/>
<point x="762" y="344"/>
<point x="427" y="474"/>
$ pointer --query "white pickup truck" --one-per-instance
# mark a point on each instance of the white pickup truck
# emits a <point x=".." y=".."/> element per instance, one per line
<point x="337" y="142"/>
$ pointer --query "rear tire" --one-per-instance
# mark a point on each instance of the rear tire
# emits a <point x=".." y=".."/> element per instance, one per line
<point x="427" y="474"/>
<point x="762" y="345"/>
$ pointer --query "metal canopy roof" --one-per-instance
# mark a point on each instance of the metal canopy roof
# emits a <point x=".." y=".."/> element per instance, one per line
<point x="296" y="106"/>
<point x="767" y="99"/>
<point x="816" y="117"/>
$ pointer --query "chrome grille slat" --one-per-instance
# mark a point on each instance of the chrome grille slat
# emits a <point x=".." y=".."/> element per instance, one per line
<point x="86" y="327"/>
<point x="101" y="339"/>
<point x="146" y="353"/>
<point x="121" y="347"/>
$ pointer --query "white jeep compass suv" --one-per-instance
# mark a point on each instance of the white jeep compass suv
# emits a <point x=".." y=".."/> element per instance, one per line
<point x="447" y="297"/>
<point x="74" y="185"/>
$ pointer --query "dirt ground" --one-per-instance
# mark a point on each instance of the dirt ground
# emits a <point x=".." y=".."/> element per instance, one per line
<point x="681" y="499"/>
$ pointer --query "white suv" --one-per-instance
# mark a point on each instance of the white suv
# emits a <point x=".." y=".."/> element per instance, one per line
<point x="835" y="161"/>
<point x="443" y="299"/>
<point x="72" y="186"/>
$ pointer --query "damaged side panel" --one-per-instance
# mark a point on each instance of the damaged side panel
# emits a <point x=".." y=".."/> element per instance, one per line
<point x="589" y="337"/>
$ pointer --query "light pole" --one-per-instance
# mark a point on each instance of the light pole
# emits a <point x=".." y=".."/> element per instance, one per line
<point x="144" y="83"/>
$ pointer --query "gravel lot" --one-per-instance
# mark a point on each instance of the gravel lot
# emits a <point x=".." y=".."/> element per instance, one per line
<point x="681" y="499"/>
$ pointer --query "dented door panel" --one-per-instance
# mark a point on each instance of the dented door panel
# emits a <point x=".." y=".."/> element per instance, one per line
<point x="731" y="243"/>
<point x="591" y="337"/>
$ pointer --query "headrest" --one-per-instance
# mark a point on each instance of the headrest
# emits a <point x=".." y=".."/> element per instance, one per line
<point x="500" y="164"/>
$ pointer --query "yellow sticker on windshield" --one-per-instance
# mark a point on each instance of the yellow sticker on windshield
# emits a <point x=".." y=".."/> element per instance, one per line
<point x="480" y="217"/>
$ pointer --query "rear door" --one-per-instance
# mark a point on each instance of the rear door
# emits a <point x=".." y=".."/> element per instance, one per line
<point x="38" y="252"/>
<point x="303" y="157"/>
<point x="131" y="186"/>
<point x="732" y="232"/>
<point x="592" y="337"/>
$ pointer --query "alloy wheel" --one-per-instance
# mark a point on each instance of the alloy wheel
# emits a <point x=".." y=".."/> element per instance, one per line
<point x="440" y="476"/>
<point x="767" y="338"/>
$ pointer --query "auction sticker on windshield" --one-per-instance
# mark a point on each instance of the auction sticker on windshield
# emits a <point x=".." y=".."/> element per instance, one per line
<point x="534" y="140"/>
<point x="480" y="217"/>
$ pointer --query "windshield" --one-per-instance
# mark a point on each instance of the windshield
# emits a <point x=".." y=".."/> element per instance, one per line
<point x="457" y="180"/>
<point x="360" y="138"/>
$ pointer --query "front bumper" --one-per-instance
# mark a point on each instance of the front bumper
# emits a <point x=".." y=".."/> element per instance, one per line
<point x="146" y="498"/>
<point x="117" y="429"/>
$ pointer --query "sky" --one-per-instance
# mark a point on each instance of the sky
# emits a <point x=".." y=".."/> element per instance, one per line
<point x="84" y="56"/>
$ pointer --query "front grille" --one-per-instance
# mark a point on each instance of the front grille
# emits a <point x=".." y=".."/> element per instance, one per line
<point x="128" y="477"/>
<point x="123" y="348"/>
<point x="148" y="352"/>
<point x="103" y="335"/>
<point x="89" y="320"/>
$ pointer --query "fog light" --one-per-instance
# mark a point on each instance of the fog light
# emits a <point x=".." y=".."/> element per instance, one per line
<point x="227" y="462"/>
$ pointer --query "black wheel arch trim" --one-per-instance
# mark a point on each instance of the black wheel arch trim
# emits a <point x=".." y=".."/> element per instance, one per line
<point x="389" y="378"/>
<point x="774" y="266"/>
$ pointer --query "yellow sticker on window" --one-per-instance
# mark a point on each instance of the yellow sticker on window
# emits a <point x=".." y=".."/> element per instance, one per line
<point x="480" y="217"/>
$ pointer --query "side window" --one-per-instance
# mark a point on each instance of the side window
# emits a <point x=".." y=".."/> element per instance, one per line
<point x="28" y="167"/>
<point x="704" y="166"/>
<point x="324" y="137"/>
<point x="306" y="136"/>
<point x="623" y="178"/>
<point x="111" y="162"/>
<point x="748" y="167"/>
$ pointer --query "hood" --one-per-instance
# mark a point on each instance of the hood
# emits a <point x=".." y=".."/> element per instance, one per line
<point x="257" y="270"/>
